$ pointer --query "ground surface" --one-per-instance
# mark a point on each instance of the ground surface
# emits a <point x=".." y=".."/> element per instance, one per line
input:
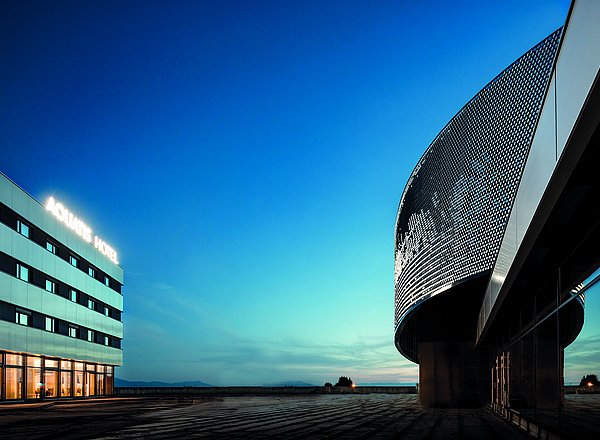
<point x="370" y="416"/>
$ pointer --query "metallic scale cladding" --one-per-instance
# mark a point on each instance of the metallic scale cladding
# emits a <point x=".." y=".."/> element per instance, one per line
<point x="456" y="204"/>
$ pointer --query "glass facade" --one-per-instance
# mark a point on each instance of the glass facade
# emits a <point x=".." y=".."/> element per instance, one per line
<point x="539" y="364"/>
<point x="24" y="376"/>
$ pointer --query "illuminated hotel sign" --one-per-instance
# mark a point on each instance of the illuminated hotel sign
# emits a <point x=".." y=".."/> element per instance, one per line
<point x="80" y="228"/>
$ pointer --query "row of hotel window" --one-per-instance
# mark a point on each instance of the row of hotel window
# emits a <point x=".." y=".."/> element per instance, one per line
<point x="13" y="221"/>
<point x="11" y="313"/>
<point x="34" y="377"/>
<point x="14" y="267"/>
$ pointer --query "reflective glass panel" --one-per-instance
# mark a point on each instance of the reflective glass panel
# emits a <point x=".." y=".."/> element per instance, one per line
<point x="50" y="286"/>
<point x="22" y="228"/>
<point x="22" y="272"/>
<point x="109" y="385"/>
<point x="22" y="318"/>
<point x="49" y="324"/>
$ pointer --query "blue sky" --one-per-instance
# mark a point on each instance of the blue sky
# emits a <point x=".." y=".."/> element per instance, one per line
<point x="246" y="160"/>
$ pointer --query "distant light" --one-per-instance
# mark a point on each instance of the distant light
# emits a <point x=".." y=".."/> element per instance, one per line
<point x="590" y="384"/>
<point x="353" y="385"/>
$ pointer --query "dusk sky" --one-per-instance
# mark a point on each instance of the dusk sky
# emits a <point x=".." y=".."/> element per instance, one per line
<point x="246" y="160"/>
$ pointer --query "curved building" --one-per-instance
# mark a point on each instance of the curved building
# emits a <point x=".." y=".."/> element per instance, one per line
<point x="457" y="200"/>
<point x="474" y="265"/>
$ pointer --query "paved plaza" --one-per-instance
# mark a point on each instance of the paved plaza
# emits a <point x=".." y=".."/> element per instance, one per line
<point x="370" y="416"/>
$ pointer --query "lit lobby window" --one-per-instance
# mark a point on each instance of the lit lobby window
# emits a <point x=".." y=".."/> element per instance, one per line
<point x="65" y="379"/>
<point x="79" y="379"/>
<point x="14" y="376"/>
<point x="35" y="383"/>
<point x="51" y="378"/>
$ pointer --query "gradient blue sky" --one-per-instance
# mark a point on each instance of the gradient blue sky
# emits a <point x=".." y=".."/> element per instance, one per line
<point x="246" y="160"/>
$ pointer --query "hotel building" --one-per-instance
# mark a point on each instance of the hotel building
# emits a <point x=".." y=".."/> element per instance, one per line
<point x="60" y="302"/>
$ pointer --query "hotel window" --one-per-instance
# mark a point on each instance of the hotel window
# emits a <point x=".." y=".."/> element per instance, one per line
<point x="106" y="340"/>
<point x="91" y="272"/>
<point x="22" y="272"/>
<point x="50" y="286"/>
<point x="73" y="296"/>
<point x="49" y="324"/>
<point x="50" y="247"/>
<point x="106" y="281"/>
<point x="72" y="331"/>
<point x="21" y="317"/>
<point x="22" y="229"/>
<point x="106" y="311"/>
<point x="90" y="336"/>
<point x="74" y="261"/>
<point x="91" y="304"/>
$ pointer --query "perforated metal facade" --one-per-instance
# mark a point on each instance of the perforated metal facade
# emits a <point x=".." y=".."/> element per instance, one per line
<point x="456" y="204"/>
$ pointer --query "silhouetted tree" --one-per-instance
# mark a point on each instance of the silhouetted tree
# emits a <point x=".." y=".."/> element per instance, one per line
<point x="344" y="381"/>
<point x="589" y="379"/>
<point x="328" y="384"/>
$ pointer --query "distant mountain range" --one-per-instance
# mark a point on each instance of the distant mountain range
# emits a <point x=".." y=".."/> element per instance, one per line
<point x="197" y="383"/>
<point x="290" y="383"/>
<point x="157" y="384"/>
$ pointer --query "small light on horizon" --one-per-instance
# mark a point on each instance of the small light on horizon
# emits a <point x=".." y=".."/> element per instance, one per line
<point x="353" y="385"/>
<point x="590" y="384"/>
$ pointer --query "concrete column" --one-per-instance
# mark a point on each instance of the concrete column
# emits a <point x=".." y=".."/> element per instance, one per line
<point x="452" y="374"/>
